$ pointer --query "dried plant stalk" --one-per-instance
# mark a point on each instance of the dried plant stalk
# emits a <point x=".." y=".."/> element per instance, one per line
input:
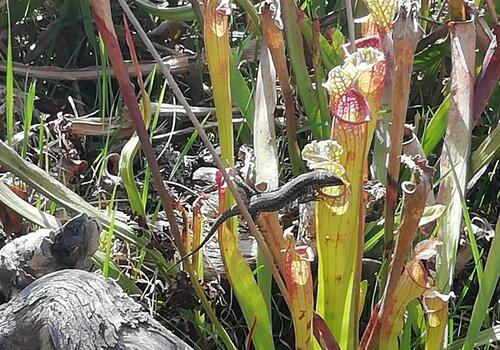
<point x="406" y="34"/>
<point x="455" y="154"/>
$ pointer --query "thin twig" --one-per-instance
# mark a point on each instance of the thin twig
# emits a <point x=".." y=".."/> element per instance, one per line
<point x="181" y="64"/>
<point x="165" y="69"/>
<point x="350" y="26"/>
<point x="167" y="201"/>
<point x="406" y="35"/>
<point x="429" y="19"/>
<point x="128" y="94"/>
<point x="191" y="129"/>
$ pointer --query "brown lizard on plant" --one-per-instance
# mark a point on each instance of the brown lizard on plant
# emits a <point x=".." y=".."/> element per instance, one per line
<point x="303" y="188"/>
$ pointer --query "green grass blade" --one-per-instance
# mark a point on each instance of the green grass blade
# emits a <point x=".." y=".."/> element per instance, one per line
<point x="241" y="93"/>
<point x="468" y="224"/>
<point x="104" y="82"/>
<point x="295" y="51"/>
<point x="41" y="140"/>
<point x="42" y="182"/>
<point x="488" y="336"/>
<point x="487" y="151"/>
<point x="87" y="24"/>
<point x="178" y="13"/>
<point x="108" y="237"/>
<point x="9" y="88"/>
<point x="436" y="128"/>
<point x="29" y="106"/>
<point x="154" y="123"/>
<point x="486" y="290"/>
<point x="248" y="294"/>
<point x="116" y="274"/>
<point x="26" y="210"/>
<point x="126" y="166"/>
<point x="249" y="8"/>
<point x="187" y="147"/>
<point x="138" y="265"/>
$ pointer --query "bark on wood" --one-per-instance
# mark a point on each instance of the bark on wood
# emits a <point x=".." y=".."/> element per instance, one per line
<point x="36" y="254"/>
<point x="74" y="309"/>
<point x="69" y="309"/>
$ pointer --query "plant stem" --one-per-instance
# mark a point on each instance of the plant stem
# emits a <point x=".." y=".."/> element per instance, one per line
<point x="165" y="69"/>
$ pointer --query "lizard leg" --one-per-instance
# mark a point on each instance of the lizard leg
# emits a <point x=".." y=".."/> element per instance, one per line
<point x="307" y="197"/>
<point x="249" y="191"/>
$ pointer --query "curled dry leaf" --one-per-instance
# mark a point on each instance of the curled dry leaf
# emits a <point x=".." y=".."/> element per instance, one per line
<point x="434" y="293"/>
<point x="426" y="249"/>
<point x="275" y="8"/>
<point x="11" y="221"/>
<point x="431" y="214"/>
<point x="224" y="7"/>
<point x="482" y="228"/>
<point x="73" y="167"/>
<point x="435" y="305"/>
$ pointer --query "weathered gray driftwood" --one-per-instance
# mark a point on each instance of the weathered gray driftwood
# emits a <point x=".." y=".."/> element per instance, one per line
<point x="53" y="307"/>
<point x="36" y="254"/>
<point x="74" y="309"/>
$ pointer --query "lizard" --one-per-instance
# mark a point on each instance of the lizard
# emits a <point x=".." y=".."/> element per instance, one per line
<point x="304" y="188"/>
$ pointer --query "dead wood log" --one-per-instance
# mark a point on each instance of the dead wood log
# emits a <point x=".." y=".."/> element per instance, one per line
<point x="39" y="253"/>
<point x="74" y="309"/>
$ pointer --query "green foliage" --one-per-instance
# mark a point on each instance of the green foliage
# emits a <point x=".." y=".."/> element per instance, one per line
<point x="29" y="106"/>
<point x="229" y="84"/>
<point x="9" y="89"/>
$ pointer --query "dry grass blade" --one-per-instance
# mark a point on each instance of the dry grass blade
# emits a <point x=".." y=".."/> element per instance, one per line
<point x="455" y="156"/>
<point x="43" y="183"/>
<point x="488" y="77"/>
<point x="206" y="141"/>
<point x="265" y="147"/>
<point x="274" y="39"/>
<point x="115" y="56"/>
<point x="179" y="64"/>
<point x="26" y="210"/>
<point x="406" y="34"/>
<point x="266" y="152"/>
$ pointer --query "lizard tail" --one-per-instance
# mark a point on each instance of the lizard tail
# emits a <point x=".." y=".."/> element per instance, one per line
<point x="219" y="221"/>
